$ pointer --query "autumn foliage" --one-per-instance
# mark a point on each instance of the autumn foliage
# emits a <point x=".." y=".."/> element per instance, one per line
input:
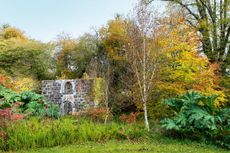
<point x="8" y="114"/>
<point x="6" y="81"/>
<point x="185" y="67"/>
<point x="131" y="118"/>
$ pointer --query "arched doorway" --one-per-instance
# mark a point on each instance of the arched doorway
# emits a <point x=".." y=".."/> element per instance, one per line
<point x="67" y="108"/>
<point x="68" y="88"/>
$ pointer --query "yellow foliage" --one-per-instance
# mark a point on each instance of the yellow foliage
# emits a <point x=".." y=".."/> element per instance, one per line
<point x="85" y="76"/>
<point x="25" y="84"/>
<point x="98" y="90"/>
<point x="185" y="68"/>
<point x="13" y="33"/>
<point x="114" y="38"/>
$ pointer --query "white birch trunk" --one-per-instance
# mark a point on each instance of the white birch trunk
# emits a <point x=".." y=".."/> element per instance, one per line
<point x="106" y="102"/>
<point x="146" y="116"/>
<point x="107" y="81"/>
<point x="145" y="92"/>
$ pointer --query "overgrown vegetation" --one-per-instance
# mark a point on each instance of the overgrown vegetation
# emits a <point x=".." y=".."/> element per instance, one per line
<point x="34" y="133"/>
<point x="27" y="103"/>
<point x="135" y="62"/>
<point x="197" y="117"/>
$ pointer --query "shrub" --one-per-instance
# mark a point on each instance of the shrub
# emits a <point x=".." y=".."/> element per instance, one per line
<point x="8" y="114"/>
<point x="131" y="118"/>
<point x="7" y="97"/>
<point x="196" y="116"/>
<point x="225" y="83"/>
<point x="6" y="81"/>
<point x="31" y="103"/>
<point x="25" y="84"/>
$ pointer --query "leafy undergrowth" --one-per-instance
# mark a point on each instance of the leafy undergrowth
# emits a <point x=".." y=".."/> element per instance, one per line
<point x="26" y="104"/>
<point x="157" y="144"/>
<point x="38" y="133"/>
<point x="197" y="117"/>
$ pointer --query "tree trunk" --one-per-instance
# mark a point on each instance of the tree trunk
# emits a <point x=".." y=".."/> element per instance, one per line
<point x="107" y="82"/>
<point x="145" y="92"/>
<point x="106" y="104"/>
<point x="146" y="115"/>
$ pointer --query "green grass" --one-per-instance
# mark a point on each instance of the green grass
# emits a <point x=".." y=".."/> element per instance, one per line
<point x="162" y="145"/>
<point x="70" y="136"/>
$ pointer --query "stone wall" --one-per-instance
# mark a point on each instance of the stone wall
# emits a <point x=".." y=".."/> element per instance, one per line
<point x="70" y="95"/>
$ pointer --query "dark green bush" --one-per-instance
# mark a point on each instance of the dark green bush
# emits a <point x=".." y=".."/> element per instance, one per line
<point x="197" y="117"/>
<point x="8" y="97"/>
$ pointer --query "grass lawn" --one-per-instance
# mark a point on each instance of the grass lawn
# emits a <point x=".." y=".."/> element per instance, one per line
<point x="161" y="145"/>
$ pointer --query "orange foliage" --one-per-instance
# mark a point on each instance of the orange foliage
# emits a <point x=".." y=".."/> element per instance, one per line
<point x="131" y="118"/>
<point x="6" y="81"/>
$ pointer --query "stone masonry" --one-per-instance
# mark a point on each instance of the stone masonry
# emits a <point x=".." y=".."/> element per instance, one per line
<point x="70" y="95"/>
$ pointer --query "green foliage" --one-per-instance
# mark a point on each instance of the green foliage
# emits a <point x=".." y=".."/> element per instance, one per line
<point x="9" y="97"/>
<point x="35" y="108"/>
<point x="25" y="58"/>
<point x="28" y="96"/>
<point x="32" y="103"/>
<point x="34" y="133"/>
<point x="225" y="83"/>
<point x="197" y="117"/>
<point x="52" y="110"/>
<point x="110" y="63"/>
<point x="73" y="56"/>
<point x="98" y="90"/>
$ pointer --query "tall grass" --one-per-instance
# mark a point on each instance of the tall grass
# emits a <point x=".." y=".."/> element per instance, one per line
<point x="34" y="133"/>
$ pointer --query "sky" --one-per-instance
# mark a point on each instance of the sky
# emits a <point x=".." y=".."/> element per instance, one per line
<point x="45" y="19"/>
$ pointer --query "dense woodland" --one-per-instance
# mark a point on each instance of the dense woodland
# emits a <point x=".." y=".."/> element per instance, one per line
<point x="170" y="69"/>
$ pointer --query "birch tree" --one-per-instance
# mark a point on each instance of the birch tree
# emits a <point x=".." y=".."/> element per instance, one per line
<point x="212" y="19"/>
<point x="142" y="52"/>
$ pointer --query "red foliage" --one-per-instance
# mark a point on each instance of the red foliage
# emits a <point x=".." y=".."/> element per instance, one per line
<point x="7" y="115"/>
<point x="6" y="81"/>
<point x="123" y="117"/>
<point x="131" y="118"/>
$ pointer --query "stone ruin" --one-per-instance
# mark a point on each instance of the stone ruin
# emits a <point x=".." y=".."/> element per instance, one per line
<point x="71" y="95"/>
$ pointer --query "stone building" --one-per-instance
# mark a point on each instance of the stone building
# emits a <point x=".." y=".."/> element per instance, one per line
<point x="70" y="95"/>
